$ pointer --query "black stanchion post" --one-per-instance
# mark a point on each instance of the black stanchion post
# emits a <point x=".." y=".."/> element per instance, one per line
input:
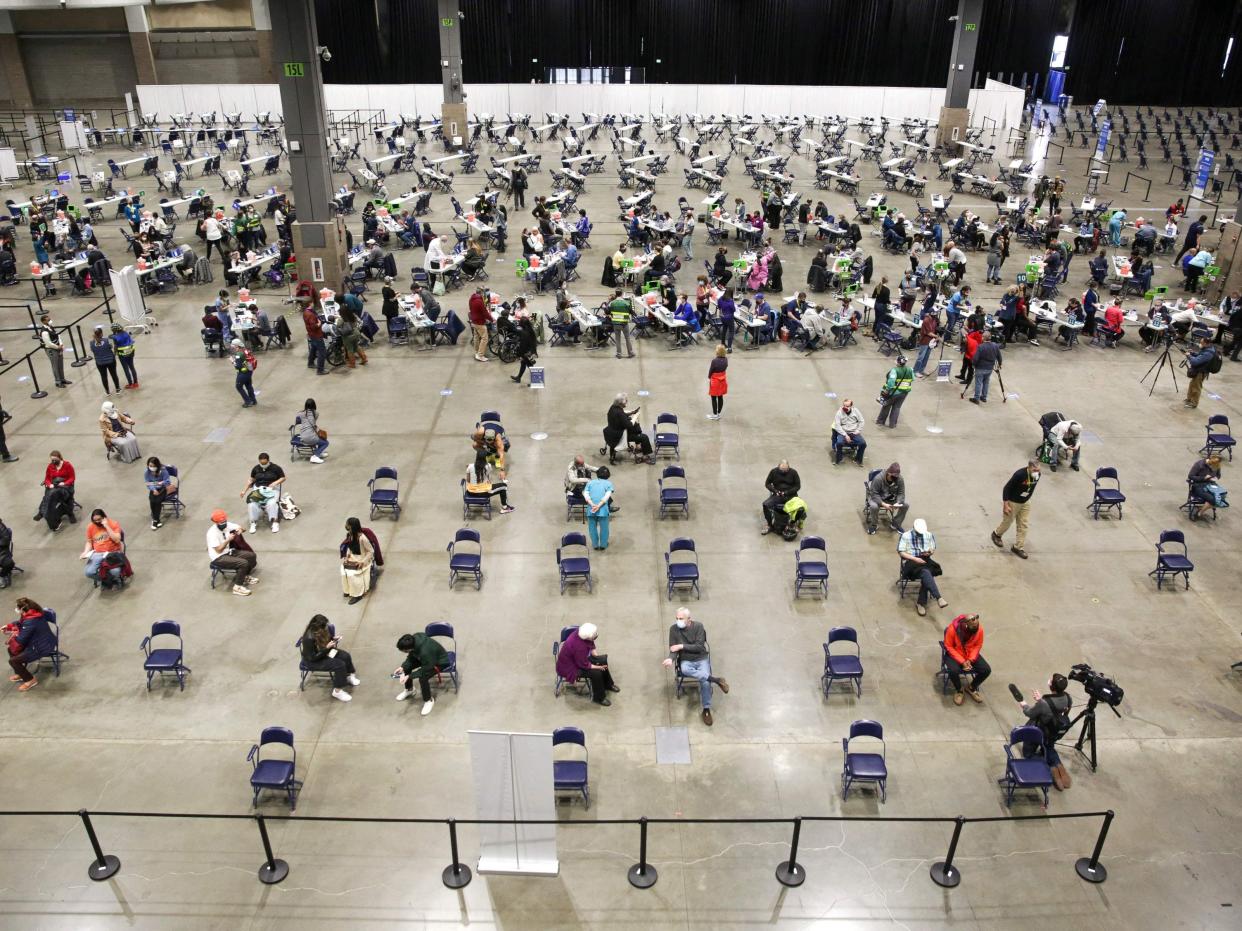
<point x="944" y="873"/>
<point x="789" y="873"/>
<point x="642" y="875"/>
<point x="273" y="871"/>
<point x="38" y="392"/>
<point x="1091" y="869"/>
<point x="106" y="865"/>
<point x="456" y="875"/>
<point x="80" y="350"/>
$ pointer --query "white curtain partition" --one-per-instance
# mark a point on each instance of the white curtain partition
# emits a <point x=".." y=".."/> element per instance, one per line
<point x="997" y="102"/>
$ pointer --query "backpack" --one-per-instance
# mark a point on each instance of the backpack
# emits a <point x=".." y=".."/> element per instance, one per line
<point x="250" y="359"/>
<point x="1060" y="720"/>
<point x="1214" y="364"/>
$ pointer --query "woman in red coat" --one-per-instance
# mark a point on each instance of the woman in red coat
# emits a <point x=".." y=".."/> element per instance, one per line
<point x="718" y="382"/>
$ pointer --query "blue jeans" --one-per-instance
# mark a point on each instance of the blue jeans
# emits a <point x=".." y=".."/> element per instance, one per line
<point x="316" y="353"/>
<point x="700" y="669"/>
<point x="320" y="446"/>
<point x="597" y="528"/>
<point x="839" y="446"/>
<point x="920" y="363"/>
<point x="92" y="567"/>
<point x="981" y="384"/>
<point x="245" y="388"/>
<point x="951" y="325"/>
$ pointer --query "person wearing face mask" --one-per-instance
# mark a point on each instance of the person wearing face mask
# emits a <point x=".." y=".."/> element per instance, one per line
<point x="32" y="640"/>
<point x="321" y="652"/>
<point x="55" y="350"/>
<point x="437" y="253"/>
<point x="118" y="433"/>
<point x="58" y="484"/>
<point x="963" y="641"/>
<point x="1016" y="501"/>
<point x="1051" y="714"/>
<point x="103" y="536"/>
<point x="916" y="548"/>
<point x="228" y="550"/>
<point x="357" y="556"/>
<point x="847" y="433"/>
<point x="687" y="644"/>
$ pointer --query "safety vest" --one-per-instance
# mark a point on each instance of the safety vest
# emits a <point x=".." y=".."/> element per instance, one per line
<point x="793" y="505"/>
<point x="619" y="311"/>
<point x="902" y="379"/>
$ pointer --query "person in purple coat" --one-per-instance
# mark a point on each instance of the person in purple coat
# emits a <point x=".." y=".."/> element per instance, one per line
<point x="577" y="658"/>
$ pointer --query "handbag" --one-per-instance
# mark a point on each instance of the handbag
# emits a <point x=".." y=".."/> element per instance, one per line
<point x="322" y="434"/>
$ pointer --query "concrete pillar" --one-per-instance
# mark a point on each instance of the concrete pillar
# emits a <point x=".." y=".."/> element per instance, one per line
<point x="454" y="110"/>
<point x="14" y="67"/>
<point x="261" y="17"/>
<point x="318" y="234"/>
<point x="140" y="42"/>
<point x="954" y="114"/>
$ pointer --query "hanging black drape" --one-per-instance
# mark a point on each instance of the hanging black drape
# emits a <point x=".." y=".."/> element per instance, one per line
<point x="379" y="41"/>
<point x="1156" y="52"/>
<point x="1015" y="37"/>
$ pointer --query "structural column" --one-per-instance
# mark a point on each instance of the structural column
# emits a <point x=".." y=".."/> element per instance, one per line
<point x="453" y="113"/>
<point x="14" y="67"/>
<point x="261" y="18"/>
<point x="955" y="114"/>
<point x="318" y="234"/>
<point x="140" y="42"/>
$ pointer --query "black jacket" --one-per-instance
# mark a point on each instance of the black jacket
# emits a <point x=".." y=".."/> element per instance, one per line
<point x="618" y="424"/>
<point x="784" y="484"/>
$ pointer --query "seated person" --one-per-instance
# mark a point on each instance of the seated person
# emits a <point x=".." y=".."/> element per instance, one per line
<point x="1113" y="318"/>
<point x="1205" y="490"/>
<point x="424" y="658"/>
<point x="847" y="433"/>
<point x="32" y="641"/>
<point x="227" y="550"/>
<point x="1145" y="238"/>
<point x="1066" y="437"/>
<point x="478" y="482"/>
<point x="1169" y="237"/>
<point x="1099" y="267"/>
<point x="621" y="425"/>
<point x="690" y="654"/>
<point x="792" y="312"/>
<point x="1051" y="714"/>
<point x="816" y="325"/>
<point x="887" y="492"/>
<point x="576" y="659"/>
<point x="576" y="478"/>
<point x="321" y="652"/>
<point x="963" y="641"/>
<point x="1149" y="334"/>
<point x="58" y="484"/>
<point x="1085" y="237"/>
<point x="850" y="321"/>
<point x="262" y="492"/>
<point x="103" y="536"/>
<point x="686" y="314"/>
<point x="916" y="548"/>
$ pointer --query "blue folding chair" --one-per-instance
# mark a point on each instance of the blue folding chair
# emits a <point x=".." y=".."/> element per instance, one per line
<point x="278" y="775"/>
<point x="573" y="567"/>
<point x="847" y="666"/>
<point x="575" y="502"/>
<point x="1031" y="772"/>
<point x="466" y="557"/>
<point x="305" y="671"/>
<point x="864" y="767"/>
<point x="681" y="566"/>
<point x="1104" y="496"/>
<point x="667" y="435"/>
<point x="581" y="683"/>
<point x="811" y="565"/>
<point x="56" y="657"/>
<point x="164" y="660"/>
<point x="674" y="492"/>
<point x="383" y="496"/>
<point x="398" y="331"/>
<point x="571" y="775"/>
<point x="449" y="668"/>
<point x="1219" y="440"/>
<point x="480" y="504"/>
<point x="1170" y="564"/>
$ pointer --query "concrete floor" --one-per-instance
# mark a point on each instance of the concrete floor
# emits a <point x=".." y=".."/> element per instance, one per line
<point x="95" y="738"/>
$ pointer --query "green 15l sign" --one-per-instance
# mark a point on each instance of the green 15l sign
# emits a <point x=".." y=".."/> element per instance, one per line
<point x="295" y="69"/>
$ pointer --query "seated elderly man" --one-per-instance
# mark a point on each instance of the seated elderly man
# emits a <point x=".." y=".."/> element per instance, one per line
<point x="887" y="492"/>
<point x="847" y="433"/>
<point x="576" y="478"/>
<point x="1066" y="438"/>
<point x="916" y="548"/>
<point x="689" y="653"/>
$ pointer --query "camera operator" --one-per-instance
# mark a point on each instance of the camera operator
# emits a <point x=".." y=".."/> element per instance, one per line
<point x="1200" y="364"/>
<point x="1050" y="713"/>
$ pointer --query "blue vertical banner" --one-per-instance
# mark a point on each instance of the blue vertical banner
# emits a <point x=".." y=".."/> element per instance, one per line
<point x="1206" y="159"/>
<point x="1100" y="147"/>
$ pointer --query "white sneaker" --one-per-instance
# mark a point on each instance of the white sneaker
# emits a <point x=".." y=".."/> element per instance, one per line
<point x="342" y="695"/>
<point x="251" y="580"/>
<point x="427" y="706"/>
<point x="240" y="590"/>
<point x="316" y="460"/>
<point x="276" y="527"/>
<point x="253" y="527"/>
<point x="402" y="696"/>
<point x="354" y="680"/>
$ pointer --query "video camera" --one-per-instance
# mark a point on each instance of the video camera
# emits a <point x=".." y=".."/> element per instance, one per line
<point x="1097" y="685"/>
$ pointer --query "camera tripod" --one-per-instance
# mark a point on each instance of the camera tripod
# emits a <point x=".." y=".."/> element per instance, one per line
<point x="1159" y="364"/>
<point x="1087" y="735"/>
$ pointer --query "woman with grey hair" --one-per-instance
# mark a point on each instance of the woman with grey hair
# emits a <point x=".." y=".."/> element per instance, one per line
<point x="621" y="425"/>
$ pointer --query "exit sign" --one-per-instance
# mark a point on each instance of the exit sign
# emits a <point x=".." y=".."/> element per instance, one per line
<point x="971" y="27"/>
<point x="295" y="69"/>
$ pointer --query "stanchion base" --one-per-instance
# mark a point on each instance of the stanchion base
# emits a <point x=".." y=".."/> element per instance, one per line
<point x="642" y="877"/>
<point x="946" y="876"/>
<point x="78" y="364"/>
<point x="790" y="875"/>
<point x="456" y="879"/>
<point x="274" y="872"/>
<point x="104" y="869"/>
<point x="39" y="394"/>
<point x="1096" y="874"/>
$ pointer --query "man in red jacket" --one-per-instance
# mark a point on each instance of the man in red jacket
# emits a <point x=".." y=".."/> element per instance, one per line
<point x="317" y="350"/>
<point x="963" y="639"/>
<point x="479" y="319"/>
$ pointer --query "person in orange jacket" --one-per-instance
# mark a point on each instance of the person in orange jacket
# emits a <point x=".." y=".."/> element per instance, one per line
<point x="963" y="641"/>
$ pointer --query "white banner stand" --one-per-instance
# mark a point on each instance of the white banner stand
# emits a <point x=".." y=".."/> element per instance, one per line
<point x="513" y="780"/>
<point x="129" y="300"/>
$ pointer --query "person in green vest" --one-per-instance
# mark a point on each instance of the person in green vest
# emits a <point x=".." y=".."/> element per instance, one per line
<point x="619" y="311"/>
<point x="896" y="387"/>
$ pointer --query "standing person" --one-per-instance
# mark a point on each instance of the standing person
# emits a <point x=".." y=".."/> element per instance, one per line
<point x="123" y="342"/>
<point x="424" y="657"/>
<point x="228" y="550"/>
<point x="970" y="345"/>
<point x="687" y="236"/>
<point x="528" y="347"/>
<point x="1191" y="242"/>
<point x="160" y="484"/>
<point x="897" y="387"/>
<point x="1051" y="714"/>
<point x="963" y="643"/>
<point x="597" y="493"/>
<point x="55" y="350"/>
<point x="5" y="455"/>
<point x="1016" y="503"/>
<point x="986" y="360"/>
<point x="619" y="311"/>
<point x="687" y="642"/>
<point x="357" y="556"/>
<point x="103" y="536"/>
<point x="518" y="186"/>
<point x="1199" y="366"/>
<point x="717" y="381"/>
<point x="479" y="319"/>
<point x="479" y="482"/>
<point x="105" y="360"/>
<point x="316" y="349"/>
<point x="244" y="364"/>
<point x="726" y="310"/>
<point x="349" y="329"/>
<point x="321" y="652"/>
<point x="33" y="640"/>
<point x="213" y="234"/>
<point x="927" y="341"/>
<point x="577" y="659"/>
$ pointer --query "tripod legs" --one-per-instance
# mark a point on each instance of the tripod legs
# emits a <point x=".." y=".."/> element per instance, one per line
<point x="1158" y="367"/>
<point x="1087" y="735"/>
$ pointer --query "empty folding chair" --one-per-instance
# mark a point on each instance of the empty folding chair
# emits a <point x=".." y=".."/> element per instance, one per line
<point x="681" y="566"/>
<point x="674" y="491"/>
<point x="667" y="435"/>
<point x="811" y="565"/>
<point x="164" y="659"/>
<point x="1172" y="558"/>
<point x="571" y="775"/>
<point x="864" y="766"/>
<point x="1219" y="438"/>
<point x="573" y="561"/>
<point x="278" y="775"/>
<point x="839" y="665"/>
<point x="1106" y="492"/>
<point x="384" y="491"/>
<point x="466" y="557"/>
